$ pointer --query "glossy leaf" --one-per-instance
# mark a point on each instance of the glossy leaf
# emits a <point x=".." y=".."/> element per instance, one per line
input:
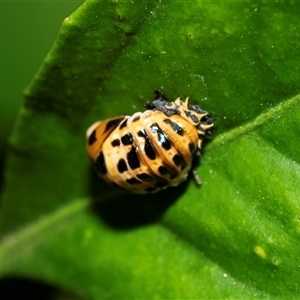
<point x="235" y="237"/>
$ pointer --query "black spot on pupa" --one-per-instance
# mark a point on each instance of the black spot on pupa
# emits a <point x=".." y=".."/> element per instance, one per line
<point x="206" y="120"/>
<point x="173" y="176"/>
<point x="179" y="161"/>
<point x="197" y="109"/>
<point x="113" y="123"/>
<point x="191" y="116"/>
<point x="133" y="181"/>
<point x="161" y="183"/>
<point x="100" y="164"/>
<point x="115" y="143"/>
<point x="166" y="171"/>
<point x="200" y="136"/>
<point x="145" y="177"/>
<point x="163" y="171"/>
<point x="122" y="167"/>
<point x="149" y="149"/>
<point x="133" y="159"/>
<point x="123" y="124"/>
<point x="163" y="139"/>
<point x="92" y="138"/>
<point x="176" y="128"/>
<point x="136" y="119"/>
<point x="192" y="148"/>
<point x="127" y="139"/>
<point x="168" y="108"/>
<point x="159" y="95"/>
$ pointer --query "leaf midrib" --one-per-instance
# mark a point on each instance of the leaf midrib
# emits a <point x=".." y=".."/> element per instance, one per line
<point x="263" y="118"/>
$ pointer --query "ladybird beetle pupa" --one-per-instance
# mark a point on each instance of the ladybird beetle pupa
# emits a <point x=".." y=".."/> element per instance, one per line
<point x="150" y="150"/>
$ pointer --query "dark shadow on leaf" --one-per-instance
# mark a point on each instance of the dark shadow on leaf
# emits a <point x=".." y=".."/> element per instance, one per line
<point x="12" y="288"/>
<point x="127" y="211"/>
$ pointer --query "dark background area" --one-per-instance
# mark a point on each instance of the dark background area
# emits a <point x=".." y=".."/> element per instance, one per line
<point x="27" y="31"/>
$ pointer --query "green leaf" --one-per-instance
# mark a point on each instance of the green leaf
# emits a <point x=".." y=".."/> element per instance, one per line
<point x="236" y="237"/>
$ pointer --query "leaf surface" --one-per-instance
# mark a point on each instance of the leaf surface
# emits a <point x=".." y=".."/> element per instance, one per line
<point x="235" y="237"/>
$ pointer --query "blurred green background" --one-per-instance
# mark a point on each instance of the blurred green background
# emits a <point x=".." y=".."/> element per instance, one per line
<point x="27" y="31"/>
